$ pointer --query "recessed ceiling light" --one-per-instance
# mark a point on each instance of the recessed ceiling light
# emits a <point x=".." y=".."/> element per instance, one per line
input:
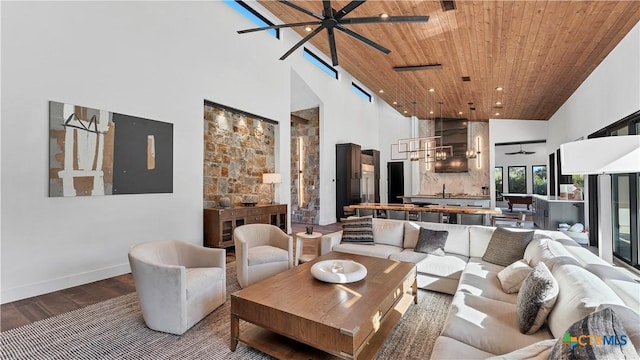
<point x="395" y="103"/>
<point x="381" y="91"/>
<point x="432" y="90"/>
<point x="497" y="114"/>
<point x="498" y="103"/>
<point x="405" y="111"/>
<point x="431" y="112"/>
<point x="459" y="112"/>
<point x="499" y="88"/>
<point x="384" y="15"/>
<point x="308" y="28"/>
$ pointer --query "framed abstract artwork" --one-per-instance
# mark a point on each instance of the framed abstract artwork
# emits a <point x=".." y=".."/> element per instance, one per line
<point x="98" y="152"/>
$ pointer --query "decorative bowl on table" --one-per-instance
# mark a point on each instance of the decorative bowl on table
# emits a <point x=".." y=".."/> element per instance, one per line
<point x="338" y="271"/>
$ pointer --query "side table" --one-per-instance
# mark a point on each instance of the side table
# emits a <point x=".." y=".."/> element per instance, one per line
<point x="301" y="237"/>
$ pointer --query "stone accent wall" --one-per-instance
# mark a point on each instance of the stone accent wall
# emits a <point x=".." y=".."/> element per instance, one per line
<point x="238" y="149"/>
<point x="305" y="125"/>
<point x="470" y="182"/>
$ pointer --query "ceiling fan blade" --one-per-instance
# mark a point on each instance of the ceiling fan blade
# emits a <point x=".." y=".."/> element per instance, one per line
<point x="304" y="40"/>
<point x="332" y="46"/>
<point x="327" y="10"/>
<point x="279" y="26"/>
<point x="512" y="153"/>
<point x="301" y="9"/>
<point x="528" y="152"/>
<point x="348" y="8"/>
<point x="363" y="39"/>
<point x="378" y="19"/>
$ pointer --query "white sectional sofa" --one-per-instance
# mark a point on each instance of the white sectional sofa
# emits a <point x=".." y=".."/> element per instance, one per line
<point x="482" y="321"/>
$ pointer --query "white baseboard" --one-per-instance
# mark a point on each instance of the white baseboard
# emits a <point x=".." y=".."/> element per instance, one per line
<point x="47" y="286"/>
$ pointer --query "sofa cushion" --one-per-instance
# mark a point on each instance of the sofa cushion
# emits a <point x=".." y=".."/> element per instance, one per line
<point x="507" y="246"/>
<point x="481" y="278"/>
<point x="266" y="254"/>
<point x="547" y="250"/>
<point x="388" y="232"/>
<point x="630" y="319"/>
<point x="573" y="344"/>
<point x="448" y="348"/>
<point x="357" y="230"/>
<point x="447" y="266"/>
<point x="458" y="240"/>
<point x="476" y="321"/>
<point x="536" y="298"/>
<point x="537" y="351"/>
<point x="376" y="250"/>
<point x="199" y="279"/>
<point x="580" y="293"/>
<point x="408" y="255"/>
<point x="431" y="241"/>
<point x="620" y="281"/>
<point x="512" y="276"/>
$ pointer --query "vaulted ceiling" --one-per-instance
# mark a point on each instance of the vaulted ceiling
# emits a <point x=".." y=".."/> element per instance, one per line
<point x="538" y="52"/>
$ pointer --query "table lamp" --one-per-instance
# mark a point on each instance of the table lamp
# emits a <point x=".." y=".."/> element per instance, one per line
<point x="273" y="179"/>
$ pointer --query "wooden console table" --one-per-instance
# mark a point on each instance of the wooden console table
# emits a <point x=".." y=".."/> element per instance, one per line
<point x="219" y="223"/>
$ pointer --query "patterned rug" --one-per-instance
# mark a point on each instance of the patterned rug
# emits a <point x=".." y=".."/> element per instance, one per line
<point x="114" y="329"/>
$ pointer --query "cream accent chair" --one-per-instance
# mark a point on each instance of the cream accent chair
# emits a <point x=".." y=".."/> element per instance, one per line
<point x="262" y="250"/>
<point x="178" y="283"/>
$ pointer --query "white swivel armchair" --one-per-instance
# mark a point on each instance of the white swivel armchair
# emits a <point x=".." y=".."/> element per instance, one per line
<point x="262" y="250"/>
<point x="178" y="283"/>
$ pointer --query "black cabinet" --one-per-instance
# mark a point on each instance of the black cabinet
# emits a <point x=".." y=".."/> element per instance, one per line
<point x="348" y="175"/>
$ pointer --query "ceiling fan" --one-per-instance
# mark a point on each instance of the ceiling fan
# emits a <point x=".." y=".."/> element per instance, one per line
<point x="331" y="20"/>
<point x="520" y="152"/>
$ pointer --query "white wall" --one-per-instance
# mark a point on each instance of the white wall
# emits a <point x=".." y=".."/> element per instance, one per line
<point x="157" y="60"/>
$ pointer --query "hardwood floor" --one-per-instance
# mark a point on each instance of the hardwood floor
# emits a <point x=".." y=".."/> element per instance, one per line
<point x="26" y="311"/>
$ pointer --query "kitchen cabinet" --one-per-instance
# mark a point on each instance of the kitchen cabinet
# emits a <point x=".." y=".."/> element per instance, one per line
<point x="550" y="211"/>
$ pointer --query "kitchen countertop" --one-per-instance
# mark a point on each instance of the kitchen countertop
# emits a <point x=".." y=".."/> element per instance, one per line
<point x="448" y="196"/>
<point x="555" y="198"/>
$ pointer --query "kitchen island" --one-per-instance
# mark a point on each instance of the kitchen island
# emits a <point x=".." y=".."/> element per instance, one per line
<point x="433" y="213"/>
<point x="448" y="199"/>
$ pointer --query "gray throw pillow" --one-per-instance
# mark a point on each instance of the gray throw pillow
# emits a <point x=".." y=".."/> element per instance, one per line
<point x="506" y="246"/>
<point x="537" y="296"/>
<point x="431" y="241"/>
<point x="599" y="335"/>
<point x="358" y="230"/>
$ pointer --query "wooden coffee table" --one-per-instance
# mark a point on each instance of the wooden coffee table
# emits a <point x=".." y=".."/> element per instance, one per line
<point x="294" y="316"/>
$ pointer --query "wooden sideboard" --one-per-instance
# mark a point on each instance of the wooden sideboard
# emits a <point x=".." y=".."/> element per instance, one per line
<point x="219" y="223"/>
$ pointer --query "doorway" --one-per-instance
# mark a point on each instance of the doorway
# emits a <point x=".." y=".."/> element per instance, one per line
<point x="395" y="182"/>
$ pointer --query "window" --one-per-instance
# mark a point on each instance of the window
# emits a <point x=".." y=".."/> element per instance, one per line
<point x="360" y="91"/>
<point x="321" y="64"/>
<point x="539" y="180"/>
<point x="625" y="200"/>
<point x="517" y="181"/>
<point x="497" y="175"/>
<point x="253" y="15"/>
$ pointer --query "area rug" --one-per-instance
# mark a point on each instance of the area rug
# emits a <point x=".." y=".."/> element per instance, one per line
<point x="114" y="329"/>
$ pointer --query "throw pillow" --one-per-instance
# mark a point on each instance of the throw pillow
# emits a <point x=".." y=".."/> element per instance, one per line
<point x="599" y="335"/>
<point x="512" y="276"/>
<point x="358" y="230"/>
<point x="431" y="241"/>
<point x="536" y="298"/>
<point x="535" y="351"/>
<point x="506" y="246"/>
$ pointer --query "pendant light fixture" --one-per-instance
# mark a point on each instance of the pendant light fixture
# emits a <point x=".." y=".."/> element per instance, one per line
<point x="471" y="153"/>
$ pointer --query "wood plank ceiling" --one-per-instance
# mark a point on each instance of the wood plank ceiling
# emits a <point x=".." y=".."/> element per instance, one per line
<point x="539" y="52"/>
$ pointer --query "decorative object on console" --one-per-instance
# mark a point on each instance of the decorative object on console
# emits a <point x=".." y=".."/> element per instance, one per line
<point x="249" y="200"/>
<point x="224" y="202"/>
<point x="431" y="241"/>
<point x="97" y="152"/>
<point x="536" y="298"/>
<point x="358" y="230"/>
<point x="506" y="247"/>
<point x="338" y="271"/>
<point x="273" y="179"/>
<point x="309" y="230"/>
